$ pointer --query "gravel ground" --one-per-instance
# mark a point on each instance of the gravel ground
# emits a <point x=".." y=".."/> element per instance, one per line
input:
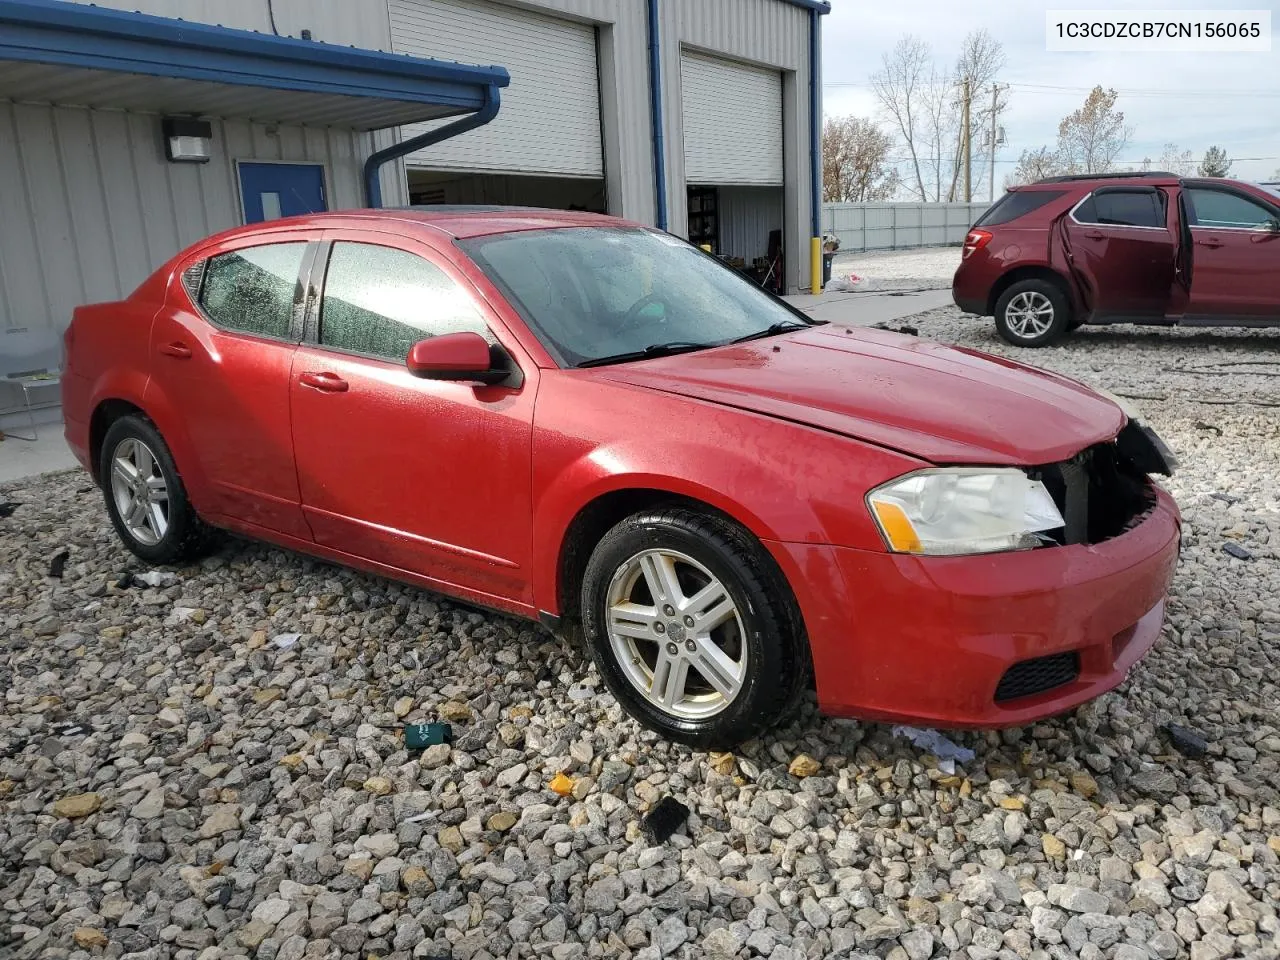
<point x="174" y="784"/>
<point x="930" y="268"/>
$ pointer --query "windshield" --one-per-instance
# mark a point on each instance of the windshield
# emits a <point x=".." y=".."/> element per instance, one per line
<point x="593" y="293"/>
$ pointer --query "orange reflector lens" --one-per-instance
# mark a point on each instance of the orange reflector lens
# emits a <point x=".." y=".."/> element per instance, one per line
<point x="897" y="528"/>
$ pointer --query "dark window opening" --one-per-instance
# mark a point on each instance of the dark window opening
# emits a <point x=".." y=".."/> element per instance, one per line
<point x="1015" y="204"/>
<point x="1123" y="208"/>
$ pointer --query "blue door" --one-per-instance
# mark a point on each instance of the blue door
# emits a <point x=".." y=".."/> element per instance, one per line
<point x="272" y="190"/>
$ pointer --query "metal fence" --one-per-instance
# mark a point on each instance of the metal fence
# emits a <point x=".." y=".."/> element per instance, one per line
<point x="898" y="226"/>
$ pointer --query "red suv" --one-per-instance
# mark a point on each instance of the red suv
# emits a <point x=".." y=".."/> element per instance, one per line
<point x="1148" y="248"/>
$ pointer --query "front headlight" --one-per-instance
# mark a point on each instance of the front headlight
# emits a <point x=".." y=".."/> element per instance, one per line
<point x="963" y="510"/>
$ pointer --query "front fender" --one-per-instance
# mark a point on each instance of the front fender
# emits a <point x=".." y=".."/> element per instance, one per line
<point x="781" y="481"/>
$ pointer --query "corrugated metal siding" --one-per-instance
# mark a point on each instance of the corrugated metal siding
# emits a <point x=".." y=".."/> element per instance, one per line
<point x="895" y="226"/>
<point x="731" y="122"/>
<point x="356" y="23"/>
<point x="91" y="207"/>
<point x="550" y="117"/>
<point x="747" y="214"/>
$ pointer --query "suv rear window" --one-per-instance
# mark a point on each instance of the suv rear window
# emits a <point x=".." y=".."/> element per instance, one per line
<point x="1015" y="204"/>
<point x="1123" y="208"/>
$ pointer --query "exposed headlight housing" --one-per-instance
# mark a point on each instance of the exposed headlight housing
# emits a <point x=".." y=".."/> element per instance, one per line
<point x="952" y="511"/>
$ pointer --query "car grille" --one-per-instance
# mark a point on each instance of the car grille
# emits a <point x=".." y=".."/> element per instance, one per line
<point x="1038" y="675"/>
<point x="1100" y="493"/>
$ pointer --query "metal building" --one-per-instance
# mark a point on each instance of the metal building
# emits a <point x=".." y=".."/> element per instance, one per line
<point x="127" y="133"/>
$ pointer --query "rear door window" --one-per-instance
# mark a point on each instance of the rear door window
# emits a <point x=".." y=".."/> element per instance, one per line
<point x="1015" y="204"/>
<point x="254" y="289"/>
<point x="1122" y="208"/>
<point x="1219" y="208"/>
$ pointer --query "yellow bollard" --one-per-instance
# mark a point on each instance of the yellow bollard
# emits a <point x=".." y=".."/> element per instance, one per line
<point x="815" y="265"/>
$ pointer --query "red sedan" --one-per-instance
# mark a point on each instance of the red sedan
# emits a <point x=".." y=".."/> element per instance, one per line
<point x="577" y="419"/>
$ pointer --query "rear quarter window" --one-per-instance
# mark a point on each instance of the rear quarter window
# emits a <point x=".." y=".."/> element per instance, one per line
<point x="1015" y="204"/>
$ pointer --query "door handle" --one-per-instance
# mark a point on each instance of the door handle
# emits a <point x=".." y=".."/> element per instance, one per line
<point x="1095" y="235"/>
<point x="1209" y="242"/>
<point x="176" y="349"/>
<point x="324" y="382"/>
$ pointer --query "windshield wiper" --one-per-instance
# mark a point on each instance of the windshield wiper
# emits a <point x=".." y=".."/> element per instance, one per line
<point x="653" y="350"/>
<point x="782" y="326"/>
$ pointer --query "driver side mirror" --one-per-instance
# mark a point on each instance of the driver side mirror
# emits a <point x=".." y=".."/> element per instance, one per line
<point x="454" y="356"/>
<point x="1265" y="231"/>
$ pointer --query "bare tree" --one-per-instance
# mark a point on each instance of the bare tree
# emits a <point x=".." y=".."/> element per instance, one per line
<point x="980" y="62"/>
<point x="855" y="161"/>
<point x="1092" y="138"/>
<point x="905" y="73"/>
<point x="1215" y="163"/>
<point x="1177" y="161"/>
<point x="1035" y="165"/>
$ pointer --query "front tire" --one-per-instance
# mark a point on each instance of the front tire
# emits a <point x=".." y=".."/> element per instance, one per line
<point x="145" y="497"/>
<point x="693" y="627"/>
<point x="1032" y="313"/>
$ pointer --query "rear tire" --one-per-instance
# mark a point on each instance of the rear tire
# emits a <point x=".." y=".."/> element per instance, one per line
<point x="1032" y="313"/>
<point x="713" y="656"/>
<point x="145" y="497"/>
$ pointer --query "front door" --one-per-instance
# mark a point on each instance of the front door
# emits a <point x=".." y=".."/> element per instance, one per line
<point x="428" y="476"/>
<point x="1123" y="252"/>
<point x="224" y="360"/>
<point x="1237" y="256"/>
<point x="269" y="191"/>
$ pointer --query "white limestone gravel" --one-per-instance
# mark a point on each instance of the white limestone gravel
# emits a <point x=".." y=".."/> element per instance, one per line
<point x="174" y="785"/>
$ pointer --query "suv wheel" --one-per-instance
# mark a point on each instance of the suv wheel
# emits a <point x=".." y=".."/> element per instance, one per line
<point x="692" y="628"/>
<point x="1032" y="313"/>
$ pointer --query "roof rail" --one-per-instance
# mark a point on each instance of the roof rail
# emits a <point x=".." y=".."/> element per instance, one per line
<point x="1127" y="174"/>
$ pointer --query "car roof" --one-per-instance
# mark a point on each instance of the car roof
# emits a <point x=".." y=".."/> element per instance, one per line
<point x="459" y="222"/>
<point x="1086" y="182"/>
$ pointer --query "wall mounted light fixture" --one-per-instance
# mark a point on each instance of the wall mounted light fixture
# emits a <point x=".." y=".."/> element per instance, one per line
<point x="187" y="140"/>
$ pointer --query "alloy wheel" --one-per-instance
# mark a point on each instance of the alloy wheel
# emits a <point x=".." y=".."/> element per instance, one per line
<point x="140" y="492"/>
<point x="1029" y="314"/>
<point x="676" y="633"/>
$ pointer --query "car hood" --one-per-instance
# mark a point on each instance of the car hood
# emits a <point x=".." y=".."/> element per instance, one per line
<point x="941" y="404"/>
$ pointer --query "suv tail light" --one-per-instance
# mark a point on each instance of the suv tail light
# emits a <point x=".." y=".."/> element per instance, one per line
<point x="976" y="240"/>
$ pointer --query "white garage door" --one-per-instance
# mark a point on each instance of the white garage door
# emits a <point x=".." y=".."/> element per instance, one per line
<point x="550" y="117"/>
<point x="732" y="119"/>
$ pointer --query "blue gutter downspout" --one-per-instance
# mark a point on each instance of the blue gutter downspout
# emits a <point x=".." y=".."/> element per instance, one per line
<point x="815" y="118"/>
<point x="816" y="271"/>
<point x="655" y="111"/>
<point x="373" y="165"/>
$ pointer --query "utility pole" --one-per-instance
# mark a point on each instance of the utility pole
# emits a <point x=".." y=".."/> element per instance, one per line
<point x="995" y="95"/>
<point x="968" y="146"/>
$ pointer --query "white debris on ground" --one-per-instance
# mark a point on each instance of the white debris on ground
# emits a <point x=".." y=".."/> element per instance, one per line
<point x="930" y="268"/>
<point x="221" y="797"/>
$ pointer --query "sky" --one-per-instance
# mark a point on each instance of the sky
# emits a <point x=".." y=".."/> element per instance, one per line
<point x="1192" y="99"/>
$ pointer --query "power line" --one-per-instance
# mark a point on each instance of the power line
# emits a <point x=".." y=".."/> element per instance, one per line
<point x="1047" y="89"/>
<point x="931" y="161"/>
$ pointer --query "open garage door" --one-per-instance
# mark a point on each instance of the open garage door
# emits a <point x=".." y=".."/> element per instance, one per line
<point x="544" y="147"/>
<point x="732" y="122"/>
<point x="731" y="117"/>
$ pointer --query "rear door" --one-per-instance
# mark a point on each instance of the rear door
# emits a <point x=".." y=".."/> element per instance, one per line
<point x="1237" y="254"/>
<point x="221" y="356"/>
<point x="1123" y="252"/>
